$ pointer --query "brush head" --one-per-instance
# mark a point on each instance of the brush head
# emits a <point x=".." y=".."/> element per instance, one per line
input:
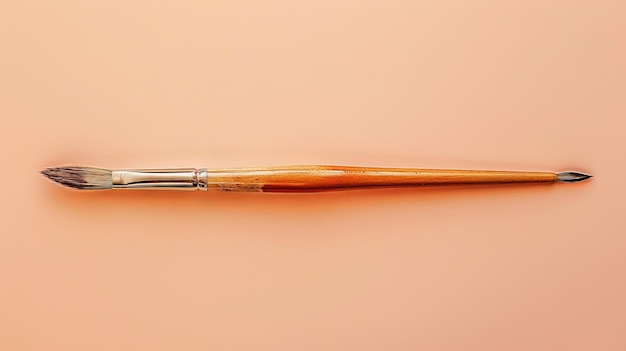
<point x="83" y="178"/>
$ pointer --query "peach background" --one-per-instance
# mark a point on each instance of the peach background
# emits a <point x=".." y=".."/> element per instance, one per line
<point x="537" y="85"/>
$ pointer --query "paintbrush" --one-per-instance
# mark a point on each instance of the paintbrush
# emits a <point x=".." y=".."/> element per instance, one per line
<point x="293" y="178"/>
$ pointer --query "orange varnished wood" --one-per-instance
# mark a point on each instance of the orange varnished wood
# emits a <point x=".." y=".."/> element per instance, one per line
<point x="326" y="178"/>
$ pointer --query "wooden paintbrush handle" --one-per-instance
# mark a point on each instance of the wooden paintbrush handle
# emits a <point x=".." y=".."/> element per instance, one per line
<point x="326" y="178"/>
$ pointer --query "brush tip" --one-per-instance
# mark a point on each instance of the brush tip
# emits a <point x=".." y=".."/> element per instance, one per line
<point x="80" y="177"/>
<point x="51" y="172"/>
<point x="572" y="177"/>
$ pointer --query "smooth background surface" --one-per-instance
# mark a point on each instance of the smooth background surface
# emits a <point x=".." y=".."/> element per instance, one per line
<point x="529" y="85"/>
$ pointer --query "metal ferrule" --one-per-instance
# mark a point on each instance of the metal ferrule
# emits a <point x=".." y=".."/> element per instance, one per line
<point x="176" y="179"/>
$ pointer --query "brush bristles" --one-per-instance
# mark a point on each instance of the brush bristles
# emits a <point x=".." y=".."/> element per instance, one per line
<point x="81" y="177"/>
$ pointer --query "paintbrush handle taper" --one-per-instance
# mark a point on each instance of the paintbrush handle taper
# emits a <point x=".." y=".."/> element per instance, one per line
<point x="326" y="178"/>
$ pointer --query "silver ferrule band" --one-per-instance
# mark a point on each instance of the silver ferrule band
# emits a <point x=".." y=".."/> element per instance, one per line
<point x="176" y="179"/>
